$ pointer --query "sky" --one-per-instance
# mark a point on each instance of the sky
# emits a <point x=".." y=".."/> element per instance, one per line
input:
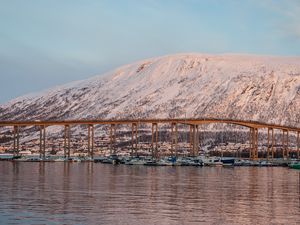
<point x="45" y="43"/>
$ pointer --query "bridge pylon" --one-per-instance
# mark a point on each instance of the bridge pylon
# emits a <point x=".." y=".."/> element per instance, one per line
<point x="253" y="153"/>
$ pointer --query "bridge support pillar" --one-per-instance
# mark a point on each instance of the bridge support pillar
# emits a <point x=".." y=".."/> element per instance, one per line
<point x="67" y="141"/>
<point x="298" y="140"/>
<point x="113" y="139"/>
<point x="91" y="141"/>
<point x="285" y="143"/>
<point x="195" y="140"/>
<point x="253" y="154"/>
<point x="134" y="139"/>
<point x="191" y="140"/>
<point x="256" y="143"/>
<point x="16" y="140"/>
<point x="250" y="143"/>
<point x="42" y="141"/>
<point x="273" y="143"/>
<point x="174" y="139"/>
<point x="154" y="138"/>
<point x="283" y="155"/>
<point x="268" y="147"/>
<point x="42" y="150"/>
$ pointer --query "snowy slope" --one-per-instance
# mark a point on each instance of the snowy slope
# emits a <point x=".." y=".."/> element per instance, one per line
<point x="261" y="88"/>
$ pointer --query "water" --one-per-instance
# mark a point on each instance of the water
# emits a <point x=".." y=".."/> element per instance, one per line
<point x="90" y="193"/>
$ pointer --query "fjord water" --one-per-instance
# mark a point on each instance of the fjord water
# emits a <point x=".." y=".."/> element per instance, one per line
<point x="90" y="193"/>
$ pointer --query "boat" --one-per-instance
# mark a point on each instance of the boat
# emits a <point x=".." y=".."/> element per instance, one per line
<point x="72" y="159"/>
<point x="212" y="162"/>
<point x="265" y="163"/>
<point x="194" y="162"/>
<point x="34" y="159"/>
<point x="99" y="159"/>
<point x="112" y="159"/>
<point x="60" y="160"/>
<point x="295" y="165"/>
<point x="135" y="161"/>
<point x="254" y="163"/>
<point x="228" y="161"/>
<point x="164" y="162"/>
<point x="151" y="162"/>
<point x="76" y="160"/>
<point x="189" y="161"/>
<point x="7" y="157"/>
<point x="183" y="161"/>
<point x="177" y="162"/>
<point x="239" y="162"/>
<point x="124" y="160"/>
<point x="87" y="159"/>
<point x="106" y="161"/>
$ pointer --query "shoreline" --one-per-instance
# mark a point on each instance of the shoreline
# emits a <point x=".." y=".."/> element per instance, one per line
<point x="162" y="161"/>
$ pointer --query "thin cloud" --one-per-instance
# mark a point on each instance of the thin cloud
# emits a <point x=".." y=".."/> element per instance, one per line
<point x="289" y="12"/>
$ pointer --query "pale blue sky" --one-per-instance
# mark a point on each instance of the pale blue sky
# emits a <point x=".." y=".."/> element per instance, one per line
<point x="49" y="42"/>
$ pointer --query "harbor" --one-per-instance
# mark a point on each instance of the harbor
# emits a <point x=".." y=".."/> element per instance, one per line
<point x="199" y="161"/>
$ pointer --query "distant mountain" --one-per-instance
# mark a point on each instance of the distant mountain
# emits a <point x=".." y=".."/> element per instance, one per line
<point x="246" y="87"/>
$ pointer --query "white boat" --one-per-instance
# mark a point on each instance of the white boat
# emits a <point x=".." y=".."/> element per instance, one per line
<point x="185" y="161"/>
<point x="163" y="162"/>
<point x="151" y="162"/>
<point x="265" y="163"/>
<point x="212" y="162"/>
<point x="239" y="162"/>
<point x="135" y="161"/>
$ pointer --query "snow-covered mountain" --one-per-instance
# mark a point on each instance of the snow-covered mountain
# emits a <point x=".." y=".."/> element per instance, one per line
<point x="260" y="88"/>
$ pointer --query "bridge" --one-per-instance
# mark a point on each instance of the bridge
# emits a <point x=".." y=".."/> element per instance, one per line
<point x="193" y="123"/>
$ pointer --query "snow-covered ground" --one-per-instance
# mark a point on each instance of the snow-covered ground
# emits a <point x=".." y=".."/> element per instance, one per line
<point x="246" y="87"/>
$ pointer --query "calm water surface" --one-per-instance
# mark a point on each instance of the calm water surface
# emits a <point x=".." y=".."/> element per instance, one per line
<point x="89" y="193"/>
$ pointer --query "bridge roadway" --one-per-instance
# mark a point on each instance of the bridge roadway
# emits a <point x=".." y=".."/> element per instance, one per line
<point x="192" y="122"/>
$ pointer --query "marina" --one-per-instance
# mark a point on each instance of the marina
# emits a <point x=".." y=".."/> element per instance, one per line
<point x="162" y="161"/>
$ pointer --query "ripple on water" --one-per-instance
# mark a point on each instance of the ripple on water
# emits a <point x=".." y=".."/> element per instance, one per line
<point x="88" y="193"/>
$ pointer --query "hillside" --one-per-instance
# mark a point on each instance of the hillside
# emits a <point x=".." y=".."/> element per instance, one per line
<point x="261" y="88"/>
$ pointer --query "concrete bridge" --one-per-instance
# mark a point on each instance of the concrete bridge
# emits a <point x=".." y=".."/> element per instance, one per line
<point x="194" y="123"/>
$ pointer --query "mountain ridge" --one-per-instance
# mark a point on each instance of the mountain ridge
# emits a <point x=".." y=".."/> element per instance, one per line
<point x="261" y="88"/>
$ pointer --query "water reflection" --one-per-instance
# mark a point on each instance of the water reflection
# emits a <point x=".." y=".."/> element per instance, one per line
<point x="299" y="189"/>
<point x="83" y="193"/>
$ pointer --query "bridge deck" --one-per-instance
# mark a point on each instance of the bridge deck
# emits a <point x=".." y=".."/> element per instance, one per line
<point x="190" y="121"/>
